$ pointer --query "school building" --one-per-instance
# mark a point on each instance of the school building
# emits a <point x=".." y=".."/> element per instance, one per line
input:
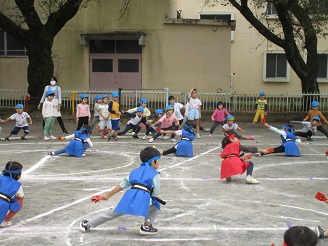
<point x="155" y="44"/>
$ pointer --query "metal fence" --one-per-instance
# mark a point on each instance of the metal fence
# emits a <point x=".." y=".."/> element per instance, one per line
<point x="235" y="103"/>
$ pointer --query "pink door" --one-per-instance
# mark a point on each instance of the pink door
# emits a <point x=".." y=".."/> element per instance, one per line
<point x="113" y="71"/>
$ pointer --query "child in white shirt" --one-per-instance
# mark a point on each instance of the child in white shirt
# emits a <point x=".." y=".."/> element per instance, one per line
<point x="21" y="118"/>
<point x="48" y="114"/>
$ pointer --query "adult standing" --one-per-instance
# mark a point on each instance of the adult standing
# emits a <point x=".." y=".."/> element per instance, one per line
<point x="56" y="101"/>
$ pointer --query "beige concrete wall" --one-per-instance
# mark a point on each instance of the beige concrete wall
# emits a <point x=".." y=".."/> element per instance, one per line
<point x="103" y="17"/>
<point x="197" y="56"/>
<point x="13" y="73"/>
<point x="247" y="53"/>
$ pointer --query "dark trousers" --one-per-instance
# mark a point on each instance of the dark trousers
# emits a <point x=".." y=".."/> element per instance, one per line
<point x="279" y="149"/>
<point x="303" y="134"/>
<point x="323" y="130"/>
<point x="170" y="151"/>
<point x="61" y="123"/>
<point x="82" y="121"/>
<point x="215" y="124"/>
<point x="150" y="130"/>
<point x="135" y="128"/>
<point x="250" y="168"/>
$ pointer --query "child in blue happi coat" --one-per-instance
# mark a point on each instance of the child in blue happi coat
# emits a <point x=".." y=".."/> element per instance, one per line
<point x="78" y="145"/>
<point x="289" y="140"/>
<point x="11" y="193"/>
<point x="140" y="199"/>
<point x="184" y="147"/>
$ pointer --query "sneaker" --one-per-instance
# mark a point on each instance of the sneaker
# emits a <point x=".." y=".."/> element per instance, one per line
<point x="251" y="180"/>
<point x="209" y="135"/>
<point x="109" y="137"/>
<point x="84" y="226"/>
<point x="6" y="224"/>
<point x="250" y="138"/>
<point x="207" y="129"/>
<point x="319" y="231"/>
<point x="51" y="153"/>
<point x="164" y="137"/>
<point x="52" y="137"/>
<point x="228" y="179"/>
<point x="115" y="137"/>
<point x="45" y="138"/>
<point x="173" y="140"/>
<point x="144" y="137"/>
<point x="149" y="230"/>
<point x="23" y="139"/>
<point x="135" y="136"/>
<point x="258" y="154"/>
<point x="65" y="133"/>
<point x="151" y="140"/>
<point x="198" y="136"/>
<point x="83" y="154"/>
<point x="102" y="136"/>
<point x="7" y="139"/>
<point x="105" y="131"/>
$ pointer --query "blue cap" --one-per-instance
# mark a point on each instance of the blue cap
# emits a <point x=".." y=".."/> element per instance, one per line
<point x="115" y="94"/>
<point x="143" y="100"/>
<point x="262" y="94"/>
<point x="19" y="106"/>
<point x="316" y="118"/>
<point x="158" y="111"/>
<point x="84" y="96"/>
<point x="103" y="96"/>
<point x="97" y="97"/>
<point x="140" y="109"/>
<point x="314" y="104"/>
<point x="49" y="93"/>
<point x="230" y="117"/>
<point x="169" y="107"/>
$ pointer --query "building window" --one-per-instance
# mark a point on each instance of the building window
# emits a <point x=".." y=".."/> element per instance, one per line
<point x="102" y="65"/>
<point x="10" y="47"/>
<point x="271" y="11"/>
<point x="128" y="65"/>
<point x="323" y="68"/>
<point x="319" y="6"/>
<point x="115" y="46"/>
<point x="225" y="16"/>
<point x="276" y="67"/>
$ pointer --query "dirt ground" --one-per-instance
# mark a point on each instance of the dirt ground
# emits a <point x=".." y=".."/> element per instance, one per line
<point x="201" y="209"/>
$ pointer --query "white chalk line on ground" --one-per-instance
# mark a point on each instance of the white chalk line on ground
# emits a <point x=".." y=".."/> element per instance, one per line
<point x="50" y="212"/>
<point x="189" y="159"/>
<point x="37" y="165"/>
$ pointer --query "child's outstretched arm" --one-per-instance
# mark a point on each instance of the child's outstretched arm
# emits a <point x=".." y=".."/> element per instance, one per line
<point x="168" y="132"/>
<point x="111" y="193"/>
<point x="5" y="121"/>
<point x="30" y="121"/>
<point x="240" y="129"/>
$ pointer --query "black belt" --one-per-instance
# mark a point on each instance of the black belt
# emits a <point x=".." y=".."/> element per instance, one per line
<point x="5" y="197"/>
<point x="140" y="187"/>
<point x="229" y="156"/>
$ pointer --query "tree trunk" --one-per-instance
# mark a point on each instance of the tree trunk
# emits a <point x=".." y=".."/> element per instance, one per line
<point x="40" y="68"/>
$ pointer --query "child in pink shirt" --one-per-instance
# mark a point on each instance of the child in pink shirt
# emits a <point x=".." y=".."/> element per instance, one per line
<point x="219" y="115"/>
<point x="169" y="121"/>
<point x="83" y="115"/>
